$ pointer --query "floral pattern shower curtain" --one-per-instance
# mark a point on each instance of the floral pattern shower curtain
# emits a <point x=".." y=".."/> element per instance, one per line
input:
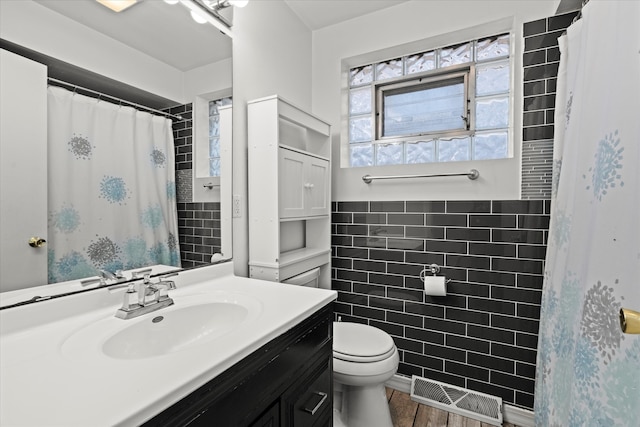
<point x="111" y="181"/>
<point x="588" y="372"/>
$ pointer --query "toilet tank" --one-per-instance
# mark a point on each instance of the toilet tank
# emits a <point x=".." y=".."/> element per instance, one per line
<point x="308" y="278"/>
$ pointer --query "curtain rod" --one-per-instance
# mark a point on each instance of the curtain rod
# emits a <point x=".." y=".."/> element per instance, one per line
<point x="120" y="100"/>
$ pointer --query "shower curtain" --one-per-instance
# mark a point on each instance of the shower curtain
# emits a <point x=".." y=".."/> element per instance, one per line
<point x="588" y="372"/>
<point x="111" y="188"/>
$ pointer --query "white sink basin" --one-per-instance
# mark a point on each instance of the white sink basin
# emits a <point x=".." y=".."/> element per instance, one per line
<point x="192" y="321"/>
<point x="162" y="333"/>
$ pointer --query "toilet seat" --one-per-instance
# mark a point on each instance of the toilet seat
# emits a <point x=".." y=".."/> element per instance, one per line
<point x="355" y="342"/>
<point x="361" y="359"/>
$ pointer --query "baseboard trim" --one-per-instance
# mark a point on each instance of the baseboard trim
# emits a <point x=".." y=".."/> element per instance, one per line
<point x="510" y="414"/>
<point x="400" y="383"/>
<point x="517" y="416"/>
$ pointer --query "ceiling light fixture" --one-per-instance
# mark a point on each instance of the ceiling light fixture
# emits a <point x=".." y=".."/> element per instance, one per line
<point x="117" y="5"/>
<point x="198" y="17"/>
<point x="221" y="4"/>
<point x="209" y="11"/>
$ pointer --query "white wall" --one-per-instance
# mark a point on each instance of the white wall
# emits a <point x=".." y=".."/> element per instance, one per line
<point x="271" y="55"/>
<point x="209" y="78"/>
<point x="406" y="23"/>
<point x="36" y="27"/>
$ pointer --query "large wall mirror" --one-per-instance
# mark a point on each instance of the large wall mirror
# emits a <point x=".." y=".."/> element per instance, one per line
<point x="151" y="55"/>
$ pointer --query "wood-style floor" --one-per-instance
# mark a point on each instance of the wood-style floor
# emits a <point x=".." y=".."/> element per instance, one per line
<point x="407" y="413"/>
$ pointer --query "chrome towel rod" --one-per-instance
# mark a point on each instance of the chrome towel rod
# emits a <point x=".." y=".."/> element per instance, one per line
<point x="472" y="174"/>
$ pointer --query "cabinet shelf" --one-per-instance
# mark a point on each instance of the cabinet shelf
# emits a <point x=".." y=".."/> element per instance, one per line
<point x="306" y="218"/>
<point x="299" y="255"/>
<point x="305" y="152"/>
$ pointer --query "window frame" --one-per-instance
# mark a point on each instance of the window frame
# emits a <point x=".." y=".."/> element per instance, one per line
<point x="200" y="192"/>
<point x="466" y="71"/>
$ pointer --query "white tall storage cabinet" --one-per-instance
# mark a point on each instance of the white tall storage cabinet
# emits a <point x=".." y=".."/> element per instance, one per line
<point x="289" y="192"/>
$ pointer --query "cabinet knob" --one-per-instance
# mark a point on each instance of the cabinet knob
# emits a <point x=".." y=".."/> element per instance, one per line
<point x="36" y="242"/>
<point x="308" y="185"/>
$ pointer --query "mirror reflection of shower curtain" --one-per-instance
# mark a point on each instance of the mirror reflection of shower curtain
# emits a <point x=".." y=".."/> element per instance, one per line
<point x="111" y="186"/>
<point x="588" y="372"/>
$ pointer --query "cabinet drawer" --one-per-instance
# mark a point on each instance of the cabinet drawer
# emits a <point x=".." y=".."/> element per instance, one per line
<point x="311" y="404"/>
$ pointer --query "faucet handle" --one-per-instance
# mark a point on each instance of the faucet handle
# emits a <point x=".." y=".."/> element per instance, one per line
<point x="140" y="273"/>
<point x="163" y="287"/>
<point x="107" y="275"/>
<point x="130" y="298"/>
<point x="167" y="284"/>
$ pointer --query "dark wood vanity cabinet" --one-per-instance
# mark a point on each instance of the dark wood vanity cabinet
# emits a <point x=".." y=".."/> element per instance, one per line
<point x="286" y="382"/>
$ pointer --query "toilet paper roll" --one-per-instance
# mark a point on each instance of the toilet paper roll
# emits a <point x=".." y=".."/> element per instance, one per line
<point x="435" y="286"/>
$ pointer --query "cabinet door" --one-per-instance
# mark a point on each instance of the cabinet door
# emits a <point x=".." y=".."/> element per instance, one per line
<point x="291" y="177"/>
<point x="317" y="186"/>
<point x="303" y="186"/>
<point x="270" y="418"/>
<point x="310" y="402"/>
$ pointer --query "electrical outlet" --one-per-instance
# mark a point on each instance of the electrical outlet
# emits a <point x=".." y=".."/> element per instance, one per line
<point x="237" y="206"/>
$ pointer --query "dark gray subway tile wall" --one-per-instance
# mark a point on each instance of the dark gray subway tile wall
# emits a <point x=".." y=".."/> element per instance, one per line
<point x="199" y="231"/>
<point x="198" y="223"/>
<point x="541" y="59"/>
<point x="483" y="334"/>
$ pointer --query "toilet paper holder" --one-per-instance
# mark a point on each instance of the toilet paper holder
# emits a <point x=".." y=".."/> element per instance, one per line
<point x="434" y="269"/>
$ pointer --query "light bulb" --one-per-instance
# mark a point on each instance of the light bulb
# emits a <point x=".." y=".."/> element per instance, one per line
<point x="238" y="3"/>
<point x="198" y="17"/>
<point x="171" y="1"/>
<point x="117" y="5"/>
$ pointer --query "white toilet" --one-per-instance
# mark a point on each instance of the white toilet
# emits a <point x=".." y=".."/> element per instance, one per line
<point x="364" y="357"/>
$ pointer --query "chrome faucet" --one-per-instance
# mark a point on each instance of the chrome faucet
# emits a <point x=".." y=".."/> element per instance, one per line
<point x="104" y="276"/>
<point x="107" y="275"/>
<point x="118" y="276"/>
<point x="146" y="298"/>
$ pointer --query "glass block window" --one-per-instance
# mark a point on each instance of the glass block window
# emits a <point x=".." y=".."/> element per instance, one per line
<point x="442" y="105"/>
<point x="422" y="108"/>
<point x="389" y="69"/>
<point x="421" y="62"/>
<point x="214" y="135"/>
<point x="453" y="55"/>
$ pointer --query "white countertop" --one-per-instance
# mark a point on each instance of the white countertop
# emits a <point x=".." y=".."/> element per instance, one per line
<point x="42" y="385"/>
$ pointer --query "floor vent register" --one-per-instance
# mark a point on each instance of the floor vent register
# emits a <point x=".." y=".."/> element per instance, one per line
<point x="468" y="403"/>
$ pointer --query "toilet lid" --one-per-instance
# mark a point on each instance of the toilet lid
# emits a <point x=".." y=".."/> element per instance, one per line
<point x="361" y="343"/>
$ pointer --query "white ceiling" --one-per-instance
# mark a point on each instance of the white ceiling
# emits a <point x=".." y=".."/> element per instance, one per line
<point x="167" y="32"/>
<point x="318" y="14"/>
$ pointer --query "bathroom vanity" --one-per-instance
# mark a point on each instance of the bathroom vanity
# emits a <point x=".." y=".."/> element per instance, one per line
<point x="230" y="351"/>
<point x="287" y="382"/>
